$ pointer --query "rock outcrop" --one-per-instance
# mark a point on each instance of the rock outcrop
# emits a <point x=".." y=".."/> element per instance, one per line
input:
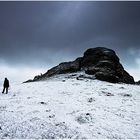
<point x="101" y="62"/>
<point x="138" y="82"/>
<point x="105" y="65"/>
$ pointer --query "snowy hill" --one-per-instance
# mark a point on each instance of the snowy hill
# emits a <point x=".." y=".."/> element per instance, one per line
<point x="64" y="107"/>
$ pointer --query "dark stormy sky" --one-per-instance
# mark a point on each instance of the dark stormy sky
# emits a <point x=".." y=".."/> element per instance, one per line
<point x="35" y="36"/>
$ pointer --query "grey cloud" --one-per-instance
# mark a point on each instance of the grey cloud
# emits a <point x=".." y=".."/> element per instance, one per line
<point x="37" y="33"/>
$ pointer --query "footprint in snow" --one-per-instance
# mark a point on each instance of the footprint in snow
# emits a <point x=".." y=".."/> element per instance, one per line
<point x="73" y="112"/>
<point x="127" y="95"/>
<point x="65" y="93"/>
<point x="84" y="118"/>
<point x="107" y="93"/>
<point x="60" y="124"/>
<point x="51" y="116"/>
<point x="34" y="119"/>
<point x="104" y="88"/>
<point x="90" y="100"/>
<point x="36" y="111"/>
<point x="48" y="110"/>
<point x="76" y="84"/>
<point x="109" y="85"/>
<point x="121" y="88"/>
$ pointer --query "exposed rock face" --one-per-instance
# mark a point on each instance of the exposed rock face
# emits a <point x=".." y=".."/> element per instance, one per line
<point x="101" y="62"/>
<point x="138" y="82"/>
<point x="65" y="67"/>
<point x="104" y="63"/>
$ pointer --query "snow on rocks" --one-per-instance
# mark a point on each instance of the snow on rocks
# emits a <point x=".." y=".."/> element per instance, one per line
<point x="64" y="107"/>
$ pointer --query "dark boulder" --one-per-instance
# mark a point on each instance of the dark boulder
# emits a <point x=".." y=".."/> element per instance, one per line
<point x="105" y="65"/>
<point x="101" y="62"/>
<point x="93" y="55"/>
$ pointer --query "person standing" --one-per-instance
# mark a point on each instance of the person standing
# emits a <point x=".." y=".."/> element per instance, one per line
<point x="5" y="85"/>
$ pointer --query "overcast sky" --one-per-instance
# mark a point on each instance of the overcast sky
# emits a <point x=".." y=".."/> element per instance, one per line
<point x="35" y="36"/>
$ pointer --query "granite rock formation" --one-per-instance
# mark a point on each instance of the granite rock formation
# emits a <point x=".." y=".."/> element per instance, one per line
<point x="101" y="62"/>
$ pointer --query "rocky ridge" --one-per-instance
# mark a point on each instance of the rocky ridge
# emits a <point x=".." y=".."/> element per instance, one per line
<point x="100" y="62"/>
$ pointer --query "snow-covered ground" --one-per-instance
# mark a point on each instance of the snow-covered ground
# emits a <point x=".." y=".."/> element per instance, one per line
<point x="64" y="107"/>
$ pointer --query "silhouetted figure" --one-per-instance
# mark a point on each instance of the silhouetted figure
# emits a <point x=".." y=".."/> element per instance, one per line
<point x="5" y="85"/>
